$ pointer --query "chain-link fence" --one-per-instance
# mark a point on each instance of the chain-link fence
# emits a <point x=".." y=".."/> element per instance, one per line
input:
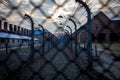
<point x="59" y="39"/>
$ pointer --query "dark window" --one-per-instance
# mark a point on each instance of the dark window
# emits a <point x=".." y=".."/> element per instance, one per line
<point x="93" y="37"/>
<point x="113" y="37"/>
<point x="101" y="37"/>
<point x="99" y="26"/>
<point x="2" y="41"/>
<point x="13" y="40"/>
<point x="18" y="40"/>
<point x="8" y="40"/>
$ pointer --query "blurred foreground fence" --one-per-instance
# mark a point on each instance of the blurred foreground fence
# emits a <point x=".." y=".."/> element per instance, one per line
<point x="59" y="40"/>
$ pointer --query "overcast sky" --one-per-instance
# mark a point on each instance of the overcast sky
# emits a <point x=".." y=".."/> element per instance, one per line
<point x="49" y="8"/>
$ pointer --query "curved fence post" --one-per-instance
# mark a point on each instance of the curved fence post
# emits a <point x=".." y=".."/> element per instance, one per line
<point x="89" y="29"/>
<point x="32" y="33"/>
<point x="43" y="36"/>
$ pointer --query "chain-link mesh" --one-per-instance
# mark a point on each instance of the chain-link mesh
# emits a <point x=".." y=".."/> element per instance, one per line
<point x="50" y="40"/>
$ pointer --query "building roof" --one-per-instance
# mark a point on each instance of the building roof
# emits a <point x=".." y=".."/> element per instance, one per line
<point x="101" y="14"/>
<point x="116" y="22"/>
<point x="85" y="26"/>
<point x="14" y="36"/>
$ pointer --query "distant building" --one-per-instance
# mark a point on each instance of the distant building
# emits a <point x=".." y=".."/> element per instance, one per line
<point x="103" y="29"/>
<point x="13" y="35"/>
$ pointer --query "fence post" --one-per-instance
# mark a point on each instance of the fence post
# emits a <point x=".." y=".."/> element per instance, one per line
<point x="32" y="33"/>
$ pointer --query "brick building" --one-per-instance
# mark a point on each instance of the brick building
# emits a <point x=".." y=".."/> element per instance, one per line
<point x="103" y="29"/>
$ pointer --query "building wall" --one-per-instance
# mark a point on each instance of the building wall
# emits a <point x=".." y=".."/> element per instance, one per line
<point x="13" y="29"/>
<point x="13" y="42"/>
<point x="103" y="29"/>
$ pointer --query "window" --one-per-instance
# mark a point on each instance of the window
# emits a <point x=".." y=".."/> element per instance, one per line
<point x="2" y="40"/>
<point x="8" y="40"/>
<point x="13" y="40"/>
<point x="99" y="26"/>
<point x="18" y="40"/>
<point x="101" y="37"/>
<point x="113" y="37"/>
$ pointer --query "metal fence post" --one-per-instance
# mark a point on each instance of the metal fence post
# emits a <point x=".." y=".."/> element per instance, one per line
<point x="6" y="44"/>
<point x="76" y="52"/>
<point x="43" y="36"/>
<point x="89" y="28"/>
<point x="32" y="33"/>
<point x="70" y="34"/>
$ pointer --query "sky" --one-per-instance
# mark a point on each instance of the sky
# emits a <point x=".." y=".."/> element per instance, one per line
<point x="49" y="10"/>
